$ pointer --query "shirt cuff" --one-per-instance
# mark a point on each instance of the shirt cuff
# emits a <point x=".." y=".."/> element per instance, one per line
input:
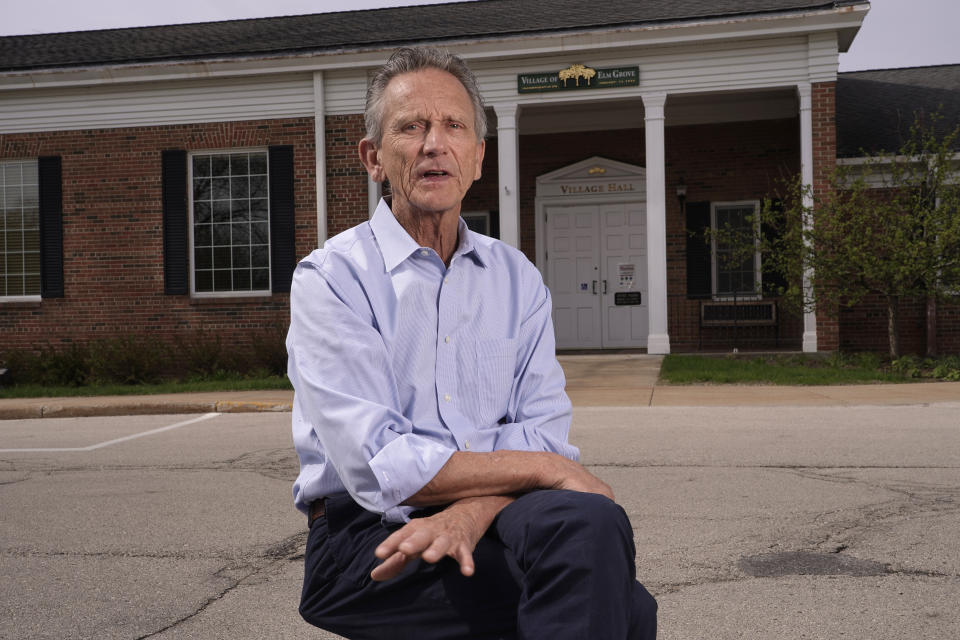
<point x="403" y="467"/>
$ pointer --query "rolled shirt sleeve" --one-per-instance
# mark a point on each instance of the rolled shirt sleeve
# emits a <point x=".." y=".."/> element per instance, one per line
<point x="348" y="400"/>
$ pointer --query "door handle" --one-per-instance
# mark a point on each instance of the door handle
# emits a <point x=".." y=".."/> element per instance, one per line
<point x="594" y="290"/>
<point x="604" y="287"/>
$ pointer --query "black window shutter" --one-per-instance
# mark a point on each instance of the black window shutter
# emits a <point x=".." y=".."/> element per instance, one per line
<point x="773" y="281"/>
<point x="175" y="218"/>
<point x="50" y="172"/>
<point x="495" y="224"/>
<point x="699" y="264"/>
<point x="283" y="258"/>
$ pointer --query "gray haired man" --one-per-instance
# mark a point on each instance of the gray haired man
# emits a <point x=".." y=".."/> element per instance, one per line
<point x="430" y="418"/>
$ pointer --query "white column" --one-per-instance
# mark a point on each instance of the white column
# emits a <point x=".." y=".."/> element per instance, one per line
<point x="658" y="340"/>
<point x="508" y="165"/>
<point x="805" y="92"/>
<point x="320" y="153"/>
<point x="373" y="195"/>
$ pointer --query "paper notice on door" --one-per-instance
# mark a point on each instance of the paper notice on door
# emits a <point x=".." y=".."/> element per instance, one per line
<point x="627" y="271"/>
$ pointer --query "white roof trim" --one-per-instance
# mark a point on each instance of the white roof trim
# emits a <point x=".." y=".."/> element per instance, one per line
<point x="846" y="20"/>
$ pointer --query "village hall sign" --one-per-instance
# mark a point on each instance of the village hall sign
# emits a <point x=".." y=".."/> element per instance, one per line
<point x="578" y="77"/>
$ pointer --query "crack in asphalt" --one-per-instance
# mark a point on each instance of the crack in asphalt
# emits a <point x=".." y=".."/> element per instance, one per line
<point x="278" y="553"/>
<point x="840" y="528"/>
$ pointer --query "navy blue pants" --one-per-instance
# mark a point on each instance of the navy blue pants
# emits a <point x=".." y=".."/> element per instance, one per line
<point x="554" y="565"/>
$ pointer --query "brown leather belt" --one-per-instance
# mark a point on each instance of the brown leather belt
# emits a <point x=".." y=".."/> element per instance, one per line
<point x="317" y="510"/>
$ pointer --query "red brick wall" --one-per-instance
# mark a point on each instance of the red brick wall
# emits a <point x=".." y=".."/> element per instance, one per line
<point x="112" y="240"/>
<point x="724" y="162"/>
<point x="824" y="114"/>
<point x="346" y="177"/>
<point x="864" y="327"/>
<point x="112" y="219"/>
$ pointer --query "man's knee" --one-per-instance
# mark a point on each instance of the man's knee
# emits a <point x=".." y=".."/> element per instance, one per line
<point x="591" y="510"/>
<point x="643" y="624"/>
<point x="575" y="518"/>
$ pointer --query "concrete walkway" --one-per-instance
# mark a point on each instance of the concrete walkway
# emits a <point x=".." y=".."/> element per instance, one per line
<point x="608" y="380"/>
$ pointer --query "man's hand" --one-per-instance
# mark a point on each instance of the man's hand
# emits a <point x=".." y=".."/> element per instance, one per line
<point x="453" y="532"/>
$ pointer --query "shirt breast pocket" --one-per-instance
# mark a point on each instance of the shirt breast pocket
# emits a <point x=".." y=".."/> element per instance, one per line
<point x="496" y="361"/>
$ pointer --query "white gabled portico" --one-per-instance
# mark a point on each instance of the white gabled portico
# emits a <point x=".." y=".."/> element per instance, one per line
<point x="591" y="229"/>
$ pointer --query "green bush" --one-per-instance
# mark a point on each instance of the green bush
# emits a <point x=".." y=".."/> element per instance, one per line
<point x="129" y="360"/>
<point x="64" y="367"/>
<point x="269" y="350"/>
<point x="200" y="355"/>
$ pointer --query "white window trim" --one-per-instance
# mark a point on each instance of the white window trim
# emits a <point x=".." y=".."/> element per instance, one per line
<point x="757" y="271"/>
<point x="13" y="299"/>
<point x="4" y="299"/>
<point x="257" y="293"/>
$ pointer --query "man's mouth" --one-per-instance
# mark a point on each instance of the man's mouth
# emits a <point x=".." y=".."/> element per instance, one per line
<point x="435" y="173"/>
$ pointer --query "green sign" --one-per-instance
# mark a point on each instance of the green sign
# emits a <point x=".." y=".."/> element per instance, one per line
<point x="578" y="77"/>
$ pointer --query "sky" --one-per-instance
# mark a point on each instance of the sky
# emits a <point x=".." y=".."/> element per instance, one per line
<point x="895" y="33"/>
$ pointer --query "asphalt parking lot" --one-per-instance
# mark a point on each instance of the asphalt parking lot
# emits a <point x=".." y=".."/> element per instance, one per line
<point x="751" y="522"/>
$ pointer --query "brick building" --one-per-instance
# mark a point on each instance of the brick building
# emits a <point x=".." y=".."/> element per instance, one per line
<point x="160" y="180"/>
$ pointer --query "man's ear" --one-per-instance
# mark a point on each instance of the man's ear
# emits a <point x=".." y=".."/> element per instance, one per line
<point x="481" y="149"/>
<point x="371" y="160"/>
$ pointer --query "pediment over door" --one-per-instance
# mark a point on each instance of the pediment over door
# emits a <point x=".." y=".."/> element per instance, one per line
<point x="594" y="177"/>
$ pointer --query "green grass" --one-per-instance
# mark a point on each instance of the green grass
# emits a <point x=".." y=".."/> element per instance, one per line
<point x="238" y="384"/>
<point x="792" y="369"/>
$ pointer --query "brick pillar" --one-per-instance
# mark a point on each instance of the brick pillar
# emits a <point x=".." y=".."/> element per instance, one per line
<point x="824" y="105"/>
<point x="346" y="178"/>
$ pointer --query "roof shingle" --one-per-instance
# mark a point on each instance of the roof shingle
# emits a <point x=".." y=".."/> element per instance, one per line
<point x="350" y="30"/>
<point x="875" y="109"/>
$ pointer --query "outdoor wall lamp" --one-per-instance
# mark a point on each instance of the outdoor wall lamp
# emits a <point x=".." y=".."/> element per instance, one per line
<point x="681" y="192"/>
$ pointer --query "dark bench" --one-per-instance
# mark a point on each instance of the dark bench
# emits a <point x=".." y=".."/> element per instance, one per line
<point x="736" y="314"/>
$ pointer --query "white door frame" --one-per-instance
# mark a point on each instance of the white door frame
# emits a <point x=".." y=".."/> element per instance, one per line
<point x="575" y="184"/>
<point x="594" y="181"/>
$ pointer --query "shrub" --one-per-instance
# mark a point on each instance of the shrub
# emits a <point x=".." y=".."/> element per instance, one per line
<point x="129" y="360"/>
<point x="64" y="367"/>
<point x="201" y="354"/>
<point x="269" y="350"/>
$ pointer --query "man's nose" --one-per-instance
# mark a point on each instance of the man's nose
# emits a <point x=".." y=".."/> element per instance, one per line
<point x="435" y="140"/>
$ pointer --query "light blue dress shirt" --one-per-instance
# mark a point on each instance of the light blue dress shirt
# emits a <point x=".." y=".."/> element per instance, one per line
<point x="399" y="361"/>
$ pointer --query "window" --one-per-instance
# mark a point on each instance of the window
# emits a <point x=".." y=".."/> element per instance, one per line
<point x="19" y="229"/>
<point x="477" y="221"/>
<point x="230" y="223"/>
<point x="485" y="222"/>
<point x="736" y="269"/>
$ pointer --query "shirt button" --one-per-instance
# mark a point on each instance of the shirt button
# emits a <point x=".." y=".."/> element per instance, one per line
<point x="446" y="279"/>
<point x="423" y="252"/>
<point x="447" y="339"/>
<point x="446" y="397"/>
<point x="466" y="445"/>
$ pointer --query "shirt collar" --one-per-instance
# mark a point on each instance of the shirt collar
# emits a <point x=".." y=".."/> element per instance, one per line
<point x="396" y="245"/>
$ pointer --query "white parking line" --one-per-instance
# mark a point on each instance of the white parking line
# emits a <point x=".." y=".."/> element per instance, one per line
<point x="101" y="445"/>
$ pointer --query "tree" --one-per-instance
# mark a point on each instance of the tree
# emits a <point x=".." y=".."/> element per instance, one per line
<point x="887" y="227"/>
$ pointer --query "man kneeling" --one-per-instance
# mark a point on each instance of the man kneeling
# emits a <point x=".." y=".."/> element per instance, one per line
<point x="430" y="416"/>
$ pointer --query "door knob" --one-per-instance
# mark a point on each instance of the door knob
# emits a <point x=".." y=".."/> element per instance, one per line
<point x="594" y="290"/>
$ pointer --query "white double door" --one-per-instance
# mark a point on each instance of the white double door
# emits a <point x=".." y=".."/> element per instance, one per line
<point x="597" y="273"/>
